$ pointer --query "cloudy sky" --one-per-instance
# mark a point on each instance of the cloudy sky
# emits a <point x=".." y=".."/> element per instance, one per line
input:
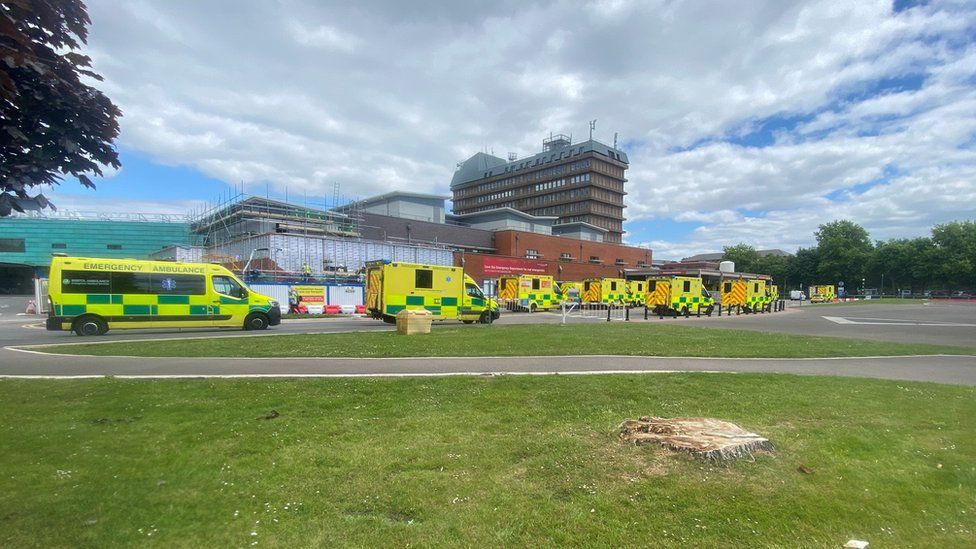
<point x="744" y="121"/>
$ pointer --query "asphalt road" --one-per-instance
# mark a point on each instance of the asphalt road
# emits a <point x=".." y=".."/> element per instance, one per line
<point x="941" y="369"/>
<point x="939" y="323"/>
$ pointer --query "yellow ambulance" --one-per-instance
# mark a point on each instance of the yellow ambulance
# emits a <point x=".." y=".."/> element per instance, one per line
<point x="685" y="295"/>
<point x="91" y="296"/>
<point x="749" y="296"/>
<point x="636" y="292"/>
<point x="757" y="299"/>
<point x="527" y="292"/>
<point x="823" y="293"/>
<point x="773" y="293"/>
<point x="445" y="291"/>
<point x="569" y="291"/>
<point x="733" y="293"/>
<point x="609" y="291"/>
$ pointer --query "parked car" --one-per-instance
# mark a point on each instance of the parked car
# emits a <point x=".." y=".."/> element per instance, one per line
<point x="962" y="295"/>
<point x="797" y="295"/>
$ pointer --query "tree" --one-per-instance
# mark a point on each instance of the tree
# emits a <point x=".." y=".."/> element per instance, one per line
<point x="956" y="241"/>
<point x="51" y="123"/>
<point x="801" y="270"/>
<point x="845" y="249"/>
<point x="746" y="257"/>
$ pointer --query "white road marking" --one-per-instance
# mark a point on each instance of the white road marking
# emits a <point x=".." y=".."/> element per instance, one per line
<point x="893" y="322"/>
<point x="406" y="374"/>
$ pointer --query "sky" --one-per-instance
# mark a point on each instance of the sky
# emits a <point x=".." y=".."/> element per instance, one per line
<point x="748" y="122"/>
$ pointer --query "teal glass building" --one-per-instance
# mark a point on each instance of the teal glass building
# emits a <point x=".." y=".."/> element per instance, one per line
<point x="27" y="244"/>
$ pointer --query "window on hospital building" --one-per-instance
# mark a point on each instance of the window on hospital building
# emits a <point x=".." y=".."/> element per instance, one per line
<point x="15" y="245"/>
<point x="531" y="254"/>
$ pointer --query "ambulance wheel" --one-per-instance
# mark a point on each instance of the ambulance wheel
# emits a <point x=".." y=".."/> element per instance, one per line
<point x="708" y="311"/>
<point x="256" y="321"/>
<point x="485" y="318"/>
<point x="90" y="325"/>
<point x="686" y="312"/>
<point x="532" y="307"/>
<point x="389" y="319"/>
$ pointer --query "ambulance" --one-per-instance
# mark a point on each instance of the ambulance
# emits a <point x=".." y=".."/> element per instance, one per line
<point x="609" y="291"/>
<point x="445" y="291"/>
<point x="748" y="295"/>
<point x="773" y="293"/>
<point x="733" y="294"/>
<point x="757" y="299"/>
<point x="92" y="296"/>
<point x="569" y="291"/>
<point x="822" y="293"/>
<point x="636" y="292"/>
<point x="684" y="295"/>
<point x="528" y="292"/>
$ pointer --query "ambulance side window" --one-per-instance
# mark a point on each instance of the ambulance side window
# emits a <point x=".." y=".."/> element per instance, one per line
<point x="132" y="283"/>
<point x="613" y="286"/>
<point x="687" y="286"/>
<point x="728" y="287"/>
<point x="424" y="278"/>
<point x="757" y="287"/>
<point x="473" y="291"/>
<point x="86" y="282"/>
<point x="651" y="285"/>
<point x="535" y="283"/>
<point x="228" y="286"/>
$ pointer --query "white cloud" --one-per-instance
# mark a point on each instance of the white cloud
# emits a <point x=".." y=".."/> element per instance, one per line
<point x="381" y="97"/>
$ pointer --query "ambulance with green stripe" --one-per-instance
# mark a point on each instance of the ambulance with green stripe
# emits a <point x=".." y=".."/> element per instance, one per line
<point x="527" y="292"/>
<point x="636" y="292"/>
<point x="750" y="296"/>
<point x="568" y="291"/>
<point x="757" y="298"/>
<point x="445" y="291"/>
<point x="609" y="291"/>
<point x="823" y="293"/>
<point x="678" y="295"/>
<point x="91" y="296"/>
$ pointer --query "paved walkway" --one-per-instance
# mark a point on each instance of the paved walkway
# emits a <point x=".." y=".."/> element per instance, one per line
<point x="960" y="370"/>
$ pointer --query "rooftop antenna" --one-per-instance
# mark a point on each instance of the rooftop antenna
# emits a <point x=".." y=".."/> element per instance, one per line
<point x="592" y="127"/>
<point x="614" y="140"/>
<point x="512" y="157"/>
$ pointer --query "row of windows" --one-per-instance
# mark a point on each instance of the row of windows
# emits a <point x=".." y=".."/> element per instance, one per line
<point x="607" y="195"/>
<point x="93" y="282"/>
<point x="495" y="196"/>
<point x="556" y="183"/>
<point x="17" y="245"/>
<point x="541" y="174"/>
<point x="539" y="160"/>
<point x="96" y="282"/>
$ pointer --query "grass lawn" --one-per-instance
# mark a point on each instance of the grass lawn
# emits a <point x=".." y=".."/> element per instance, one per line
<point x="519" y="340"/>
<point x="480" y="461"/>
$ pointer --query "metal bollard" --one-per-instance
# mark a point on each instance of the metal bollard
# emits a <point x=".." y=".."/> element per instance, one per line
<point x="609" y="308"/>
<point x="719" y="309"/>
<point x="626" y="313"/>
<point x="645" y="312"/>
